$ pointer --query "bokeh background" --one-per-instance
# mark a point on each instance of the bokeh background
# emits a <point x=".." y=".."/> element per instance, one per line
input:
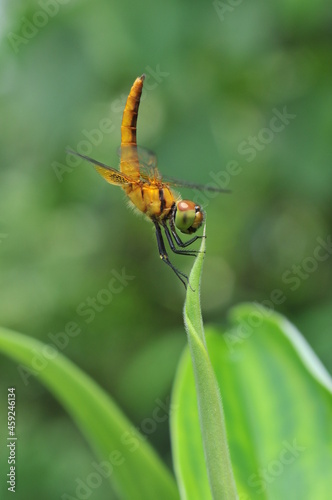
<point x="217" y="74"/>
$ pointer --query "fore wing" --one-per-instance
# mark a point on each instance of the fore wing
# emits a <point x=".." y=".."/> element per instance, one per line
<point x="145" y="156"/>
<point x="191" y="185"/>
<point x="110" y="174"/>
<point x="148" y="171"/>
<point x="147" y="162"/>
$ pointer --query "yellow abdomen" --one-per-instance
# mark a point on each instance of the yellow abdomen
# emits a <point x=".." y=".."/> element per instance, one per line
<point x="129" y="163"/>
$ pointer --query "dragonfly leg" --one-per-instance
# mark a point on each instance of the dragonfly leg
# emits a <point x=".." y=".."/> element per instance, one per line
<point x="171" y="243"/>
<point x="178" y="240"/>
<point x="164" y="257"/>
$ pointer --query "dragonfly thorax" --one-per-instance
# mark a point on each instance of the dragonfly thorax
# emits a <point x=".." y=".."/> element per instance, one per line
<point x="188" y="216"/>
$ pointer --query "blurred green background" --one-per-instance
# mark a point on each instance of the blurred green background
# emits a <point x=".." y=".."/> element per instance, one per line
<point x="217" y="75"/>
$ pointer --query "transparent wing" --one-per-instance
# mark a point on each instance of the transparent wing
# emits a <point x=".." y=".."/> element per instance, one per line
<point x="192" y="185"/>
<point x="110" y="174"/>
<point x="147" y="161"/>
<point x="148" y="170"/>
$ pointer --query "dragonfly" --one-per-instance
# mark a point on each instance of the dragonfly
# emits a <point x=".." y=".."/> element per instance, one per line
<point x="149" y="192"/>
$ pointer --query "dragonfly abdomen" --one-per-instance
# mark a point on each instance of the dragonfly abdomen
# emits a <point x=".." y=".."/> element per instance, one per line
<point x="129" y="119"/>
<point x="129" y="163"/>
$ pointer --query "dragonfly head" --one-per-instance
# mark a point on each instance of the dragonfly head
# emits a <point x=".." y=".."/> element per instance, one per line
<point x="188" y="216"/>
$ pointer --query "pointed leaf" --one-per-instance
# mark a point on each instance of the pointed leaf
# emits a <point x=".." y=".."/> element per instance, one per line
<point x="278" y="405"/>
<point x="196" y="482"/>
<point x="137" y="472"/>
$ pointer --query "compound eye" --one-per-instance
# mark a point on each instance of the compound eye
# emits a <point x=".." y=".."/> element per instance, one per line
<point x="188" y="217"/>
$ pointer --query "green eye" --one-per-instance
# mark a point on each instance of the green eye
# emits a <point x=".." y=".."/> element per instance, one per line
<point x="188" y="216"/>
<point x="184" y="219"/>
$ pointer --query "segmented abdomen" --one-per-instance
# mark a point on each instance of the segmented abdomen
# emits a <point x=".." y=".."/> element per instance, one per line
<point x="129" y="159"/>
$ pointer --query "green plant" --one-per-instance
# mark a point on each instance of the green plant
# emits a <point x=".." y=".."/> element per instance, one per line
<point x="276" y="397"/>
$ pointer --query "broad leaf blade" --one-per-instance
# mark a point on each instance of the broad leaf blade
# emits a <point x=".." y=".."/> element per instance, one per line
<point x="278" y="408"/>
<point x="187" y="445"/>
<point x="285" y="401"/>
<point x="137" y="470"/>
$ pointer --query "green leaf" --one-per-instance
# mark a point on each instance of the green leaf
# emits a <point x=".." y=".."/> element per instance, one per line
<point x="136" y="470"/>
<point x="278" y="406"/>
<point x="194" y="480"/>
